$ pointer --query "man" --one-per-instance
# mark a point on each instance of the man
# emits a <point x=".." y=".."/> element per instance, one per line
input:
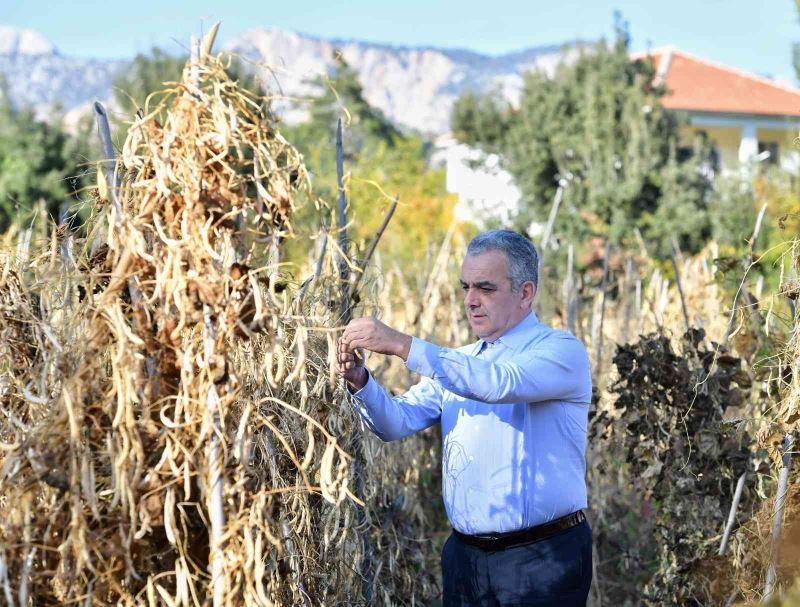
<point x="513" y="408"/>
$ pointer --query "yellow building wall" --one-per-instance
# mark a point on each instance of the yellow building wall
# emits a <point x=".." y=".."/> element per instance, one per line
<point x="725" y="139"/>
<point x="783" y="137"/>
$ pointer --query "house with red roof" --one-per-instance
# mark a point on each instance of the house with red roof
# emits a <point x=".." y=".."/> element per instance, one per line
<point x="748" y="118"/>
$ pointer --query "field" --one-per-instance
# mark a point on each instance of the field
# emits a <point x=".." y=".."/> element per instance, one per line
<point x="173" y="432"/>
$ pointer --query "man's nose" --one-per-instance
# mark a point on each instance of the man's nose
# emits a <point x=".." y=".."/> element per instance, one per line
<point x="471" y="298"/>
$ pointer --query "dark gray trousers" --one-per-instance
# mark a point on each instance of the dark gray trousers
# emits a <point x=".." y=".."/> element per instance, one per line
<point x="556" y="572"/>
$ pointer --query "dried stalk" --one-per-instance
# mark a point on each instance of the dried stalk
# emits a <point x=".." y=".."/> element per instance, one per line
<point x="372" y="245"/>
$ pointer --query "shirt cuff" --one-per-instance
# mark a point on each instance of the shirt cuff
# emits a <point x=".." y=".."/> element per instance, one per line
<point x="423" y="358"/>
<point x="367" y="393"/>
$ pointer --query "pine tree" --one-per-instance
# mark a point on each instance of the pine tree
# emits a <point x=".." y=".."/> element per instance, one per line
<point x="39" y="162"/>
<point x="342" y="96"/>
<point x="597" y="128"/>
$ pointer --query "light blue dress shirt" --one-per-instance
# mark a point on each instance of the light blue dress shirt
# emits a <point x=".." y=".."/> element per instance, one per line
<point x="513" y="414"/>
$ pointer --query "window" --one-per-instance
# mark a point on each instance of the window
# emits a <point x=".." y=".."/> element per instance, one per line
<point x="772" y="157"/>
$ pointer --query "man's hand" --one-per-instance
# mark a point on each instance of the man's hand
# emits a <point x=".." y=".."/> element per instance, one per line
<point x="350" y="366"/>
<point x="371" y="334"/>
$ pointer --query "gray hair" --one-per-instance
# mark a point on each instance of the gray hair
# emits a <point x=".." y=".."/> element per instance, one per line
<point x="523" y="260"/>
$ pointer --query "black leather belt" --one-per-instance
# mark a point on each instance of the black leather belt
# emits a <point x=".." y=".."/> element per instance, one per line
<point x="493" y="542"/>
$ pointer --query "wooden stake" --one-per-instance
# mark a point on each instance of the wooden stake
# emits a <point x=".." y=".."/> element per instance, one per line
<point x="569" y="289"/>
<point x="737" y="496"/>
<point x="626" y="293"/>
<point x="216" y="507"/>
<point x="674" y="253"/>
<point x="373" y="244"/>
<point x="551" y="219"/>
<point x="604" y="291"/>
<point x="104" y="131"/>
<point x="777" y="517"/>
<point x="638" y="304"/>
<point x="358" y="448"/>
<point x="344" y="272"/>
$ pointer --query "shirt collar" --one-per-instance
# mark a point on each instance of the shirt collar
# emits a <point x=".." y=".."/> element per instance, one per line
<point x="515" y="337"/>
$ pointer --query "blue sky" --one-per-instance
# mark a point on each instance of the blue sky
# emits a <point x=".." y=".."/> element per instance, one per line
<point x="754" y="36"/>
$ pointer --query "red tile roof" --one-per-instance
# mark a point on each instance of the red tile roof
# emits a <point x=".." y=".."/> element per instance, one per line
<point x="701" y="85"/>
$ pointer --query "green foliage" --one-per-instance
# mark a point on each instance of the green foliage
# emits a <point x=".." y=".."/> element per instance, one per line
<point x="483" y="120"/>
<point x="597" y="128"/>
<point x="380" y="162"/>
<point x="732" y="214"/>
<point x="147" y="74"/>
<point x="681" y="214"/>
<point x="342" y="96"/>
<point x="424" y="212"/>
<point x="39" y="161"/>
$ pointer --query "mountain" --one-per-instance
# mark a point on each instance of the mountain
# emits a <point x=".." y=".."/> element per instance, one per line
<point x="35" y="74"/>
<point x="414" y="87"/>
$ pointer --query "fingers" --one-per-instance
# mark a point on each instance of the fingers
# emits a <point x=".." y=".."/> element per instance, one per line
<point x="343" y="348"/>
<point x="344" y="355"/>
<point x="360" y="327"/>
<point x="348" y="335"/>
<point x="359" y="343"/>
<point x="347" y="358"/>
<point x="357" y="340"/>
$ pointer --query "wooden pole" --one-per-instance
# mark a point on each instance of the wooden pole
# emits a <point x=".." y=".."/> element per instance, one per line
<point x="604" y="292"/>
<point x="104" y="131"/>
<point x="737" y="496"/>
<point x="569" y="289"/>
<point x="373" y="245"/>
<point x="551" y="219"/>
<point x="638" y="305"/>
<point x="626" y="293"/>
<point x="216" y="506"/>
<point x="674" y="258"/>
<point x="344" y="272"/>
<point x="344" y="277"/>
<point x="777" y="517"/>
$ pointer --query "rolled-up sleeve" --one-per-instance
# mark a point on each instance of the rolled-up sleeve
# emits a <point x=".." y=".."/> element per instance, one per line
<point x="556" y="368"/>
<point x="393" y="418"/>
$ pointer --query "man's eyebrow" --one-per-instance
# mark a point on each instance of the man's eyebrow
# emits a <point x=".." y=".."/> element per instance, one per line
<point x="481" y="283"/>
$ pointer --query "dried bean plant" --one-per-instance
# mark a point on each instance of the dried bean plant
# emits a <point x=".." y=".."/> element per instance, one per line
<point x="171" y="431"/>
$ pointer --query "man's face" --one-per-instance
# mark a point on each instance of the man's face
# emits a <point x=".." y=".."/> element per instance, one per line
<point x="492" y="307"/>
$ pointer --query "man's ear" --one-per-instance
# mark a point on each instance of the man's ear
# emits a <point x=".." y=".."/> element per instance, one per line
<point x="528" y="293"/>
